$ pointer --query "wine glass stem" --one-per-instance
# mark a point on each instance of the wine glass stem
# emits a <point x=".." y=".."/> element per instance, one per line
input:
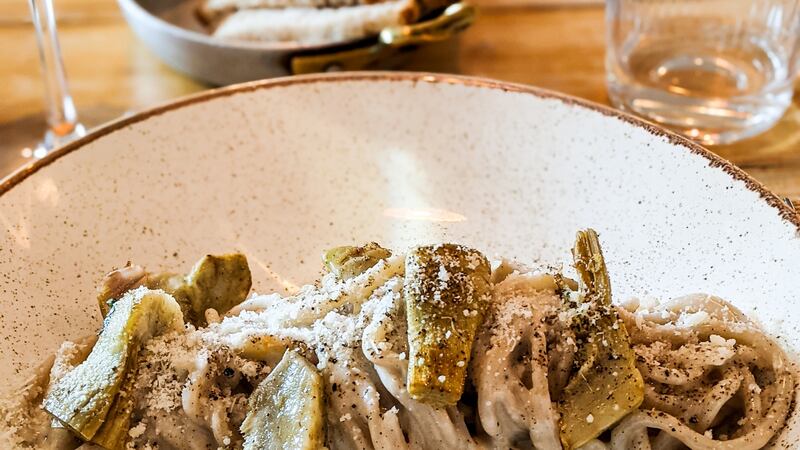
<point x="62" y="119"/>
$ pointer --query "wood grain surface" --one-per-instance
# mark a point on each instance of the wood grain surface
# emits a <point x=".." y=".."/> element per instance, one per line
<point x="560" y="47"/>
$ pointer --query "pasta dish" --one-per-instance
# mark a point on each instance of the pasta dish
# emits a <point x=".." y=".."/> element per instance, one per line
<point x="435" y="348"/>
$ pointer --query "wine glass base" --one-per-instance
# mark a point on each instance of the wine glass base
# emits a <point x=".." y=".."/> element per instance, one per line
<point x="53" y="141"/>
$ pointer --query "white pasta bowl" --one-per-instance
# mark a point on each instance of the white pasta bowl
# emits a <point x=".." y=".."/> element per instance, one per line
<point x="283" y="169"/>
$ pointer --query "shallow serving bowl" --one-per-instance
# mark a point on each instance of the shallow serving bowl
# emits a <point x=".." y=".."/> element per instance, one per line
<point x="283" y="169"/>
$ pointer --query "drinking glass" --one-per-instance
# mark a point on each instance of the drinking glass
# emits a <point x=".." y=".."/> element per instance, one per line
<point x="62" y="119"/>
<point x="716" y="71"/>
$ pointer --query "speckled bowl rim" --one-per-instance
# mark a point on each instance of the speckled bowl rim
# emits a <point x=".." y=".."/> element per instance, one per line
<point x="784" y="211"/>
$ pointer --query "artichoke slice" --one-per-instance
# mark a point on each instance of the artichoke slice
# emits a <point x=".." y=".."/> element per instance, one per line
<point x="607" y="385"/>
<point x="266" y="348"/>
<point x="60" y="438"/>
<point x="286" y="411"/>
<point x="117" y="283"/>
<point x="113" y="434"/>
<point x="81" y="400"/>
<point x="348" y="262"/>
<point x="447" y="289"/>
<point x="218" y="282"/>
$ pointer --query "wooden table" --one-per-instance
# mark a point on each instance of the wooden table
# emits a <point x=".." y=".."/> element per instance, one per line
<point x="112" y="74"/>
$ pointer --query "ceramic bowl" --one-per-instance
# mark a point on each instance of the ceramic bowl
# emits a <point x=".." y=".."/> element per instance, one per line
<point x="283" y="169"/>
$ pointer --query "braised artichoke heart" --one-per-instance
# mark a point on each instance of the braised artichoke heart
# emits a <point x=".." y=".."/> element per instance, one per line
<point x="82" y="399"/>
<point x="447" y="291"/>
<point x="607" y="385"/>
<point x="286" y="411"/>
<point x="348" y="262"/>
<point x="218" y="282"/>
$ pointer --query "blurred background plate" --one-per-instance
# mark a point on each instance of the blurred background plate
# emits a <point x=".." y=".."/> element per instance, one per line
<point x="171" y="29"/>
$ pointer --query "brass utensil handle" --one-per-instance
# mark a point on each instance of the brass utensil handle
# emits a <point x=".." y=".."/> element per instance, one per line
<point x="453" y="20"/>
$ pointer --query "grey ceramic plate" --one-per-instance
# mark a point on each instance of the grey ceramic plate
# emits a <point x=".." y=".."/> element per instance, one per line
<point x="283" y="169"/>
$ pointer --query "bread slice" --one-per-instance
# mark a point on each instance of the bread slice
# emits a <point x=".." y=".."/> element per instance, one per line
<point x="316" y="26"/>
<point x="212" y="11"/>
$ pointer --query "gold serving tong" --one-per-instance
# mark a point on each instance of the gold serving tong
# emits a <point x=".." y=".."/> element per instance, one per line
<point x="451" y="21"/>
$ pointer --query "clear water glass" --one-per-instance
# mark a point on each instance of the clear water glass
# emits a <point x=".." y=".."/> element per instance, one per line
<point x="716" y="71"/>
<point x="62" y="119"/>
